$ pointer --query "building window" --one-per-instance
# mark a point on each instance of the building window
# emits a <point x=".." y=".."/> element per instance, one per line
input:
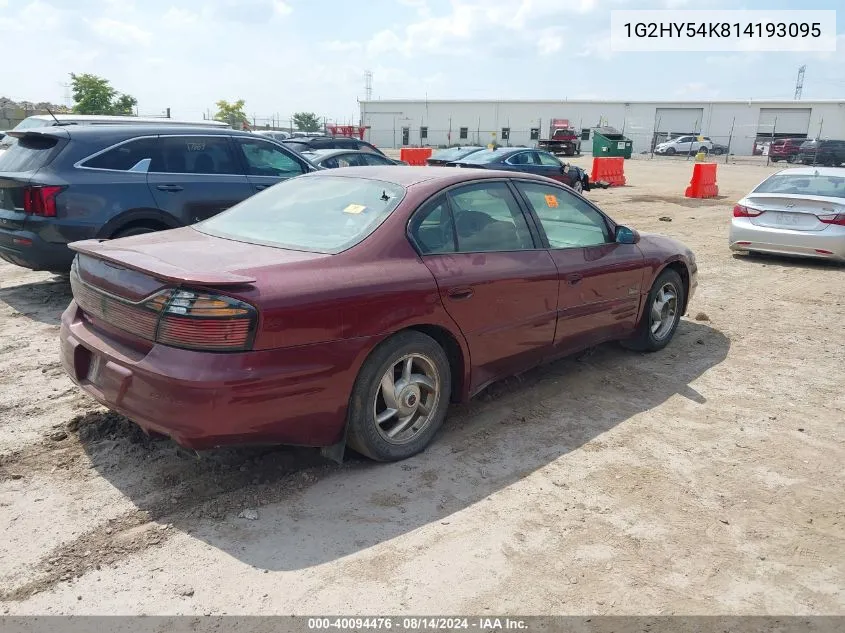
<point x="535" y="133"/>
<point x="406" y="135"/>
<point x="464" y="132"/>
<point x="506" y="133"/>
<point x="585" y="134"/>
<point x="423" y="132"/>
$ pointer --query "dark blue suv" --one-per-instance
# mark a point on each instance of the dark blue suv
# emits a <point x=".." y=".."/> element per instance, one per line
<point x="62" y="184"/>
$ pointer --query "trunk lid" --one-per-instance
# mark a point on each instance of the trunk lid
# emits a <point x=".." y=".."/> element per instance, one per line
<point x="182" y="257"/>
<point x="795" y="212"/>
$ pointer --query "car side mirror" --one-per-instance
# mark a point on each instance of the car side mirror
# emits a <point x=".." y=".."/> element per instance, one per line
<point x="624" y="235"/>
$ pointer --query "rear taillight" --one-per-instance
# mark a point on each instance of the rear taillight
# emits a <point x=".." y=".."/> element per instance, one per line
<point x="745" y="212"/>
<point x="200" y="320"/>
<point x="837" y="219"/>
<point x="41" y="200"/>
<point x="190" y="319"/>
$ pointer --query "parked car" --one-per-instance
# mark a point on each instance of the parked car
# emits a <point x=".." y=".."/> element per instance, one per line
<point x="785" y="149"/>
<point x="278" y="321"/>
<point x="48" y="120"/>
<point x="62" y="184"/>
<point x="529" y="161"/>
<point x="684" y="145"/>
<point x="276" y="135"/>
<point x="718" y="149"/>
<point x="333" y="158"/>
<point x="797" y="211"/>
<point x="444" y="156"/>
<point x="311" y="143"/>
<point x="821" y="152"/>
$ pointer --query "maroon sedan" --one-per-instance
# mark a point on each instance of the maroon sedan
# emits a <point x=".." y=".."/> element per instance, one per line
<point x="353" y="305"/>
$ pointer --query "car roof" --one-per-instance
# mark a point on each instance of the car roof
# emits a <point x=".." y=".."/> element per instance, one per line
<point x="129" y="131"/>
<point x="118" y="119"/>
<point x="408" y="176"/>
<point x="811" y="171"/>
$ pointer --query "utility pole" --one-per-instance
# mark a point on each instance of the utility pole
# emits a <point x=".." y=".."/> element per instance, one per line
<point x="799" y="83"/>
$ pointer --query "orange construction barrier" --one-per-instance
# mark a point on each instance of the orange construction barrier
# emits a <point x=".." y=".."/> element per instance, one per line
<point x="703" y="183"/>
<point x="415" y="155"/>
<point x="610" y="170"/>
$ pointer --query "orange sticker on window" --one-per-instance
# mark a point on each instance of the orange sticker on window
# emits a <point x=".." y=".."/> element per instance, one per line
<point x="551" y="201"/>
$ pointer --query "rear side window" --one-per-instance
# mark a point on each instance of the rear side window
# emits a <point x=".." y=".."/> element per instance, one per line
<point x="432" y="229"/>
<point x="195" y="155"/>
<point x="29" y="153"/>
<point x="125" y="156"/>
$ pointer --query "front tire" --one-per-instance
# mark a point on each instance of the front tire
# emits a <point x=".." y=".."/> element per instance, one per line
<point x="661" y="315"/>
<point x="400" y="398"/>
<point x="670" y="151"/>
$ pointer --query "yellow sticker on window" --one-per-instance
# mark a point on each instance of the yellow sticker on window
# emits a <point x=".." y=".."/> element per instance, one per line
<point x="551" y="201"/>
<point x="354" y="209"/>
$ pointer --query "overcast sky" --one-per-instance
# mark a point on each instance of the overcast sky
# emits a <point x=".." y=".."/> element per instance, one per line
<point x="284" y="56"/>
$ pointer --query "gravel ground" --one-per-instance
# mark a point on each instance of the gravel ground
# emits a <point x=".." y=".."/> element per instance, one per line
<point x="706" y="478"/>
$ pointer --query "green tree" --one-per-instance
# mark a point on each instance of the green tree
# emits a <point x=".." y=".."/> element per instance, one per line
<point x="95" y="95"/>
<point x="306" y="121"/>
<point x="231" y="113"/>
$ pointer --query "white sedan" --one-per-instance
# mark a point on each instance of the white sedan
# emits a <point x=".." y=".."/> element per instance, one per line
<point x="794" y="212"/>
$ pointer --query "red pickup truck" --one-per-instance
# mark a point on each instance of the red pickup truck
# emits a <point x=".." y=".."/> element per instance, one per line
<point x="563" y="139"/>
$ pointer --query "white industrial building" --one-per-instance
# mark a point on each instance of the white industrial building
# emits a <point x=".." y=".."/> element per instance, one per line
<point x="394" y="123"/>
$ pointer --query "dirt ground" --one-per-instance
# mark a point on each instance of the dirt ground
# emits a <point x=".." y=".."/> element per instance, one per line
<point x="706" y="478"/>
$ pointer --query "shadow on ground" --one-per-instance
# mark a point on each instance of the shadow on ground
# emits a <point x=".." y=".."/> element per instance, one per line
<point x="42" y="301"/>
<point x="311" y="512"/>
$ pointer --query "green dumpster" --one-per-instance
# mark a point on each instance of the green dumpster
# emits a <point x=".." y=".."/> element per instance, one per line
<point x="608" y="141"/>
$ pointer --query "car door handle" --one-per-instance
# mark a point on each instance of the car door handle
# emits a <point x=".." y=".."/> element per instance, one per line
<point x="171" y="188"/>
<point x="574" y="278"/>
<point x="460" y="293"/>
<point x="259" y="187"/>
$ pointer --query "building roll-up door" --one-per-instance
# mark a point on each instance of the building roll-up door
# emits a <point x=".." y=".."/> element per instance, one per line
<point x="784" y="121"/>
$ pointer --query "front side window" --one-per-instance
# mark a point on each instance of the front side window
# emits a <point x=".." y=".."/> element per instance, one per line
<point x="567" y="220"/>
<point x="211" y="155"/>
<point x="320" y="214"/>
<point x="125" y="156"/>
<point x="267" y="159"/>
<point x="487" y="218"/>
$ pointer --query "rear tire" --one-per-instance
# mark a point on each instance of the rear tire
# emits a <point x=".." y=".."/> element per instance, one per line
<point x="417" y="392"/>
<point x="578" y="186"/>
<point x="661" y="314"/>
<point x="718" y="151"/>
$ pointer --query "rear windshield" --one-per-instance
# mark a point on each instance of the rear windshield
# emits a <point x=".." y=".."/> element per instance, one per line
<point x="454" y="153"/>
<point x="27" y="124"/>
<point x="30" y="153"/>
<point x="323" y="214"/>
<point x="808" y="185"/>
<point x="484" y="156"/>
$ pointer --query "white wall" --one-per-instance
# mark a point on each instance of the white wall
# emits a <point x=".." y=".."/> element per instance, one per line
<point x="637" y="119"/>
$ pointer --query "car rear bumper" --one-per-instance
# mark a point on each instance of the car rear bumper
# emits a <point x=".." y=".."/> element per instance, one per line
<point x="204" y="400"/>
<point x="827" y="244"/>
<point x="27" y="249"/>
